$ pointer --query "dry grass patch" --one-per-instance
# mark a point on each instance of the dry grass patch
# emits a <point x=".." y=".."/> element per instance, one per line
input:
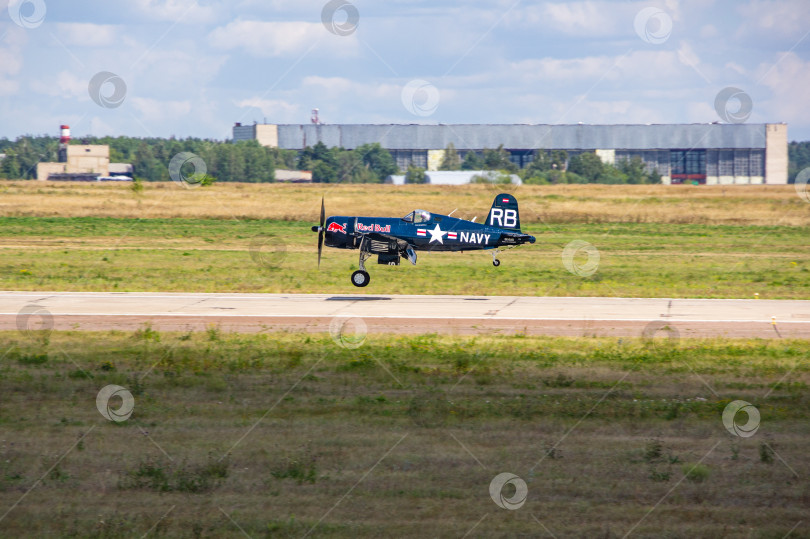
<point x="752" y="204"/>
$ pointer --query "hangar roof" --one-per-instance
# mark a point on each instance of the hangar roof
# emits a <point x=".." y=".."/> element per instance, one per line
<point x="524" y="136"/>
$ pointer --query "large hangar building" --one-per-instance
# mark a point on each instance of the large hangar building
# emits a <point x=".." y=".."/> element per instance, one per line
<point x="703" y="153"/>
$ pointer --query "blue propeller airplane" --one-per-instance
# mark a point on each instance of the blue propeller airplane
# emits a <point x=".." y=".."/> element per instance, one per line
<point x="393" y="238"/>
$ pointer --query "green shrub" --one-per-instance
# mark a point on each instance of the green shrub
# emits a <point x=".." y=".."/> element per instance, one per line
<point x="765" y="453"/>
<point x="301" y="468"/>
<point x="33" y="359"/>
<point x="696" y="473"/>
<point x="193" y="479"/>
<point x="654" y="450"/>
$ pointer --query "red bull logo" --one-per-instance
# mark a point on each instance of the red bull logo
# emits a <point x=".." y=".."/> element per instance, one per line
<point x="373" y="228"/>
<point x="334" y="227"/>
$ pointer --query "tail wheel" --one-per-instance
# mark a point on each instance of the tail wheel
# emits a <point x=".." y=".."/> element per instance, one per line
<point x="360" y="278"/>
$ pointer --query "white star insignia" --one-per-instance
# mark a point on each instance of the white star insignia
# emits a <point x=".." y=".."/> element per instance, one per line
<point x="436" y="234"/>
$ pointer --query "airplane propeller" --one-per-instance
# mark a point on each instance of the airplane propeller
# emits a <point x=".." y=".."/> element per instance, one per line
<point x="319" y="229"/>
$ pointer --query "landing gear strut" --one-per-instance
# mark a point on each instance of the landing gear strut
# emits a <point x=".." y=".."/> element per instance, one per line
<point x="495" y="261"/>
<point x="361" y="278"/>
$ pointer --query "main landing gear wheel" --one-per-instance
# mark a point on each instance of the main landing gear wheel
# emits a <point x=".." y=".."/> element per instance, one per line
<point x="496" y="262"/>
<point x="360" y="278"/>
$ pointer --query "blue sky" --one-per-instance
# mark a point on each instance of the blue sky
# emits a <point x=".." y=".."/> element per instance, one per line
<point x="193" y="68"/>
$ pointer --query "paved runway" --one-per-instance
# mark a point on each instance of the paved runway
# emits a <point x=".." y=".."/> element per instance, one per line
<point x="408" y="314"/>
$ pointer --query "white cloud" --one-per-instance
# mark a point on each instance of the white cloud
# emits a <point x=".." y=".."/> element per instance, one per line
<point x="621" y="111"/>
<point x="654" y="67"/>
<point x="542" y="109"/>
<point x="329" y="85"/>
<point x="736" y="68"/>
<point x="100" y="128"/>
<point x="709" y="31"/>
<point x="179" y="11"/>
<point x="66" y="84"/>
<point x="340" y="98"/>
<point x="687" y="55"/>
<point x="177" y="71"/>
<point x="10" y="62"/>
<point x="337" y="86"/>
<point x="268" y="39"/>
<point x="588" y="19"/>
<point x="277" y="109"/>
<point x="788" y="78"/>
<point x="300" y="7"/>
<point x="580" y="18"/>
<point x="566" y="70"/>
<point x="155" y="113"/>
<point x="447" y="36"/>
<point x="545" y="61"/>
<point x="701" y="112"/>
<point x="12" y="42"/>
<point x="8" y="87"/>
<point x="776" y="18"/>
<point x="88" y="34"/>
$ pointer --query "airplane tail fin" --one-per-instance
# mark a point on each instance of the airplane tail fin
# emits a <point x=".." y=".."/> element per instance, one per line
<point x="504" y="213"/>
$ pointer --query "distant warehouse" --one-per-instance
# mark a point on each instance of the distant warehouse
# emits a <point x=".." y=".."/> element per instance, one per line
<point x="703" y="153"/>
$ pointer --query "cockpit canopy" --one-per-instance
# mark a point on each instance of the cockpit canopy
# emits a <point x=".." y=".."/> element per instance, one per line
<point x="417" y="216"/>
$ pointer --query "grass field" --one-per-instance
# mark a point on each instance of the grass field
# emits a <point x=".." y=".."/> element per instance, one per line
<point x="292" y="435"/>
<point x="283" y="435"/>
<point x="678" y="241"/>
<point x="215" y="255"/>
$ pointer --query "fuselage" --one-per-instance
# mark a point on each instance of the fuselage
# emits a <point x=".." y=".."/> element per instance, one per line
<point x="438" y="233"/>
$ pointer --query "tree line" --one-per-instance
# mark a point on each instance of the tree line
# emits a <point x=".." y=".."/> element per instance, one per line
<point x="552" y="167"/>
<point x="369" y="163"/>
<point x="244" y="161"/>
<point x="798" y="159"/>
<point x="248" y="161"/>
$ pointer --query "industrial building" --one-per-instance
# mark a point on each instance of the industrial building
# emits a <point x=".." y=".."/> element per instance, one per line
<point x="702" y="153"/>
<point x="293" y="176"/>
<point x="83" y="162"/>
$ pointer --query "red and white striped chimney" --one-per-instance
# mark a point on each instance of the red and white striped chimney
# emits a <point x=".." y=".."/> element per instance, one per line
<point x="64" y="140"/>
